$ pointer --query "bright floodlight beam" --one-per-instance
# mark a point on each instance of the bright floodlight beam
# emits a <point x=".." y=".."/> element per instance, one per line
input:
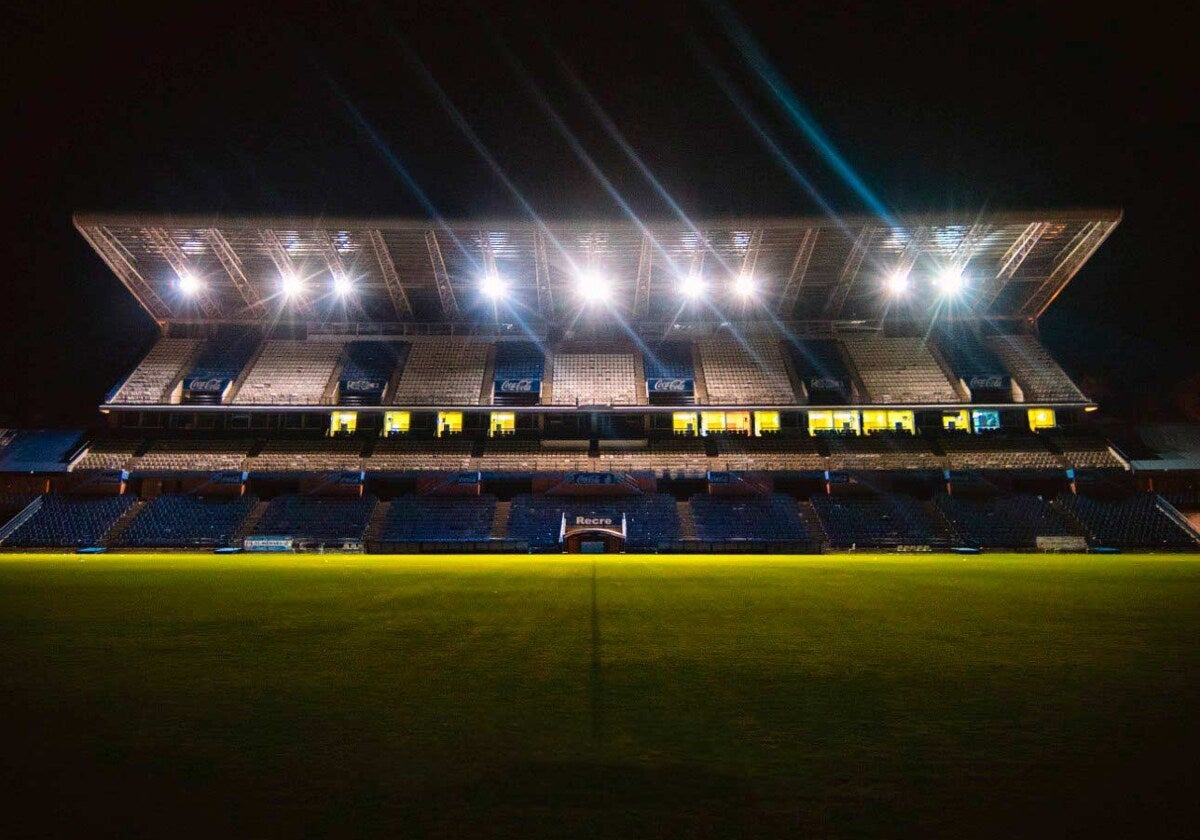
<point x="745" y="285"/>
<point x="593" y="287"/>
<point x="692" y="287"/>
<point x="897" y="283"/>
<point x="291" y="285"/>
<point x="493" y="286"/>
<point x="950" y="280"/>
<point x="189" y="284"/>
<point x="343" y="285"/>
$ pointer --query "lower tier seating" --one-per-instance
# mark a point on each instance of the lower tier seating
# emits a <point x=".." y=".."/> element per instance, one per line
<point x="13" y="503"/>
<point x="71" y="521"/>
<point x="1001" y="522"/>
<point x="766" y="518"/>
<point x="883" y="521"/>
<point x="317" y="517"/>
<point x="180" y="521"/>
<point x="1138" y="521"/>
<point x="649" y="519"/>
<point x="439" y="519"/>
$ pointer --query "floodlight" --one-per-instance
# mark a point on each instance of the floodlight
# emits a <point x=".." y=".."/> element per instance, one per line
<point x="745" y="285"/>
<point x="342" y="285"/>
<point x="493" y="286"/>
<point x="593" y="287"/>
<point x="692" y="286"/>
<point x="291" y="285"/>
<point x="950" y="280"/>
<point x="189" y="284"/>
<point x="897" y="283"/>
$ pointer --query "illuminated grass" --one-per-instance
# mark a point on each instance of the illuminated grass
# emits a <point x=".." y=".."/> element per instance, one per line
<point x="873" y="694"/>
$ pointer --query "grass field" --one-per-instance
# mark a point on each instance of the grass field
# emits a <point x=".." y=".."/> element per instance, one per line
<point x="631" y="696"/>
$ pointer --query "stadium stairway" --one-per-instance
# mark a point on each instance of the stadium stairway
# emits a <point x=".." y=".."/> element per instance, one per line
<point x="815" y="527"/>
<point x="118" y="528"/>
<point x="376" y="522"/>
<point x="249" y="523"/>
<point x="500" y="520"/>
<point x="687" y="523"/>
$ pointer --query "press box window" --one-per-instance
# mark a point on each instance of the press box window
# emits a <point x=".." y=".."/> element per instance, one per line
<point x="955" y="421"/>
<point x="887" y="421"/>
<point x="449" y="423"/>
<point x="766" y="422"/>
<point x="1041" y="418"/>
<point x="396" y="423"/>
<point x="343" y="422"/>
<point x="684" y="422"/>
<point x="503" y="423"/>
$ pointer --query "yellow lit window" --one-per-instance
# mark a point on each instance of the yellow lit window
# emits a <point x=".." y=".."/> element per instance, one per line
<point x="820" y="421"/>
<point x="449" y="423"/>
<point x="955" y="421"/>
<point x="845" y="421"/>
<point x="874" y="421"/>
<point x="901" y="421"/>
<point x="395" y="422"/>
<point x="343" y="422"/>
<point x="766" y="421"/>
<point x="712" y="421"/>
<point x="1041" y="418"/>
<point x="503" y="423"/>
<point x="738" y="421"/>
<point x="684" y="422"/>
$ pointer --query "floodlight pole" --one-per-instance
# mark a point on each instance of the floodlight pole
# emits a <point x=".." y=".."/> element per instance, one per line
<point x="122" y="265"/>
<point x="232" y="264"/>
<point x="1070" y="259"/>
<point x="1010" y="262"/>
<point x="541" y="270"/>
<point x="178" y="261"/>
<point x="849" y="273"/>
<point x="391" y="278"/>
<point x="795" y="280"/>
<point x="641" y="293"/>
<point x="441" y="277"/>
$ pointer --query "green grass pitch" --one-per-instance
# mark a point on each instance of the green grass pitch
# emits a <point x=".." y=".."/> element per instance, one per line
<point x="867" y="695"/>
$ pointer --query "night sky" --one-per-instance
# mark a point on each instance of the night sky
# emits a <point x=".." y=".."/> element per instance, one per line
<point x="246" y="109"/>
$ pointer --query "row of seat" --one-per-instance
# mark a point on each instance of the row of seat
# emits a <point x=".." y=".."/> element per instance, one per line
<point x="887" y="520"/>
<point x="734" y="453"/>
<point x="738" y="371"/>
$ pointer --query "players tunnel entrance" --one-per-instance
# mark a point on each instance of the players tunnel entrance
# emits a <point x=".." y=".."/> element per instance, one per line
<point x="592" y="534"/>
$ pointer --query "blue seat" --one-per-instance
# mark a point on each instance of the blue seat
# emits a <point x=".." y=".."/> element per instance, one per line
<point x="1136" y="521"/>
<point x="1002" y="521"/>
<point x="322" y="518"/>
<point x="773" y="518"/>
<point x="182" y="521"/>
<point x="70" y="521"/>
<point x="439" y="519"/>
<point x="879" y="521"/>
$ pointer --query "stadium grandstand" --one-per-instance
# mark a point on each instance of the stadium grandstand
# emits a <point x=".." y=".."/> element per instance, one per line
<point x="785" y="384"/>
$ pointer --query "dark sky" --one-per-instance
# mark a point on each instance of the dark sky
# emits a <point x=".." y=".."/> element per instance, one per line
<point x="248" y="109"/>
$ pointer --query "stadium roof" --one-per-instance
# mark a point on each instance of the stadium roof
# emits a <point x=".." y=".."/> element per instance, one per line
<point x="817" y="270"/>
